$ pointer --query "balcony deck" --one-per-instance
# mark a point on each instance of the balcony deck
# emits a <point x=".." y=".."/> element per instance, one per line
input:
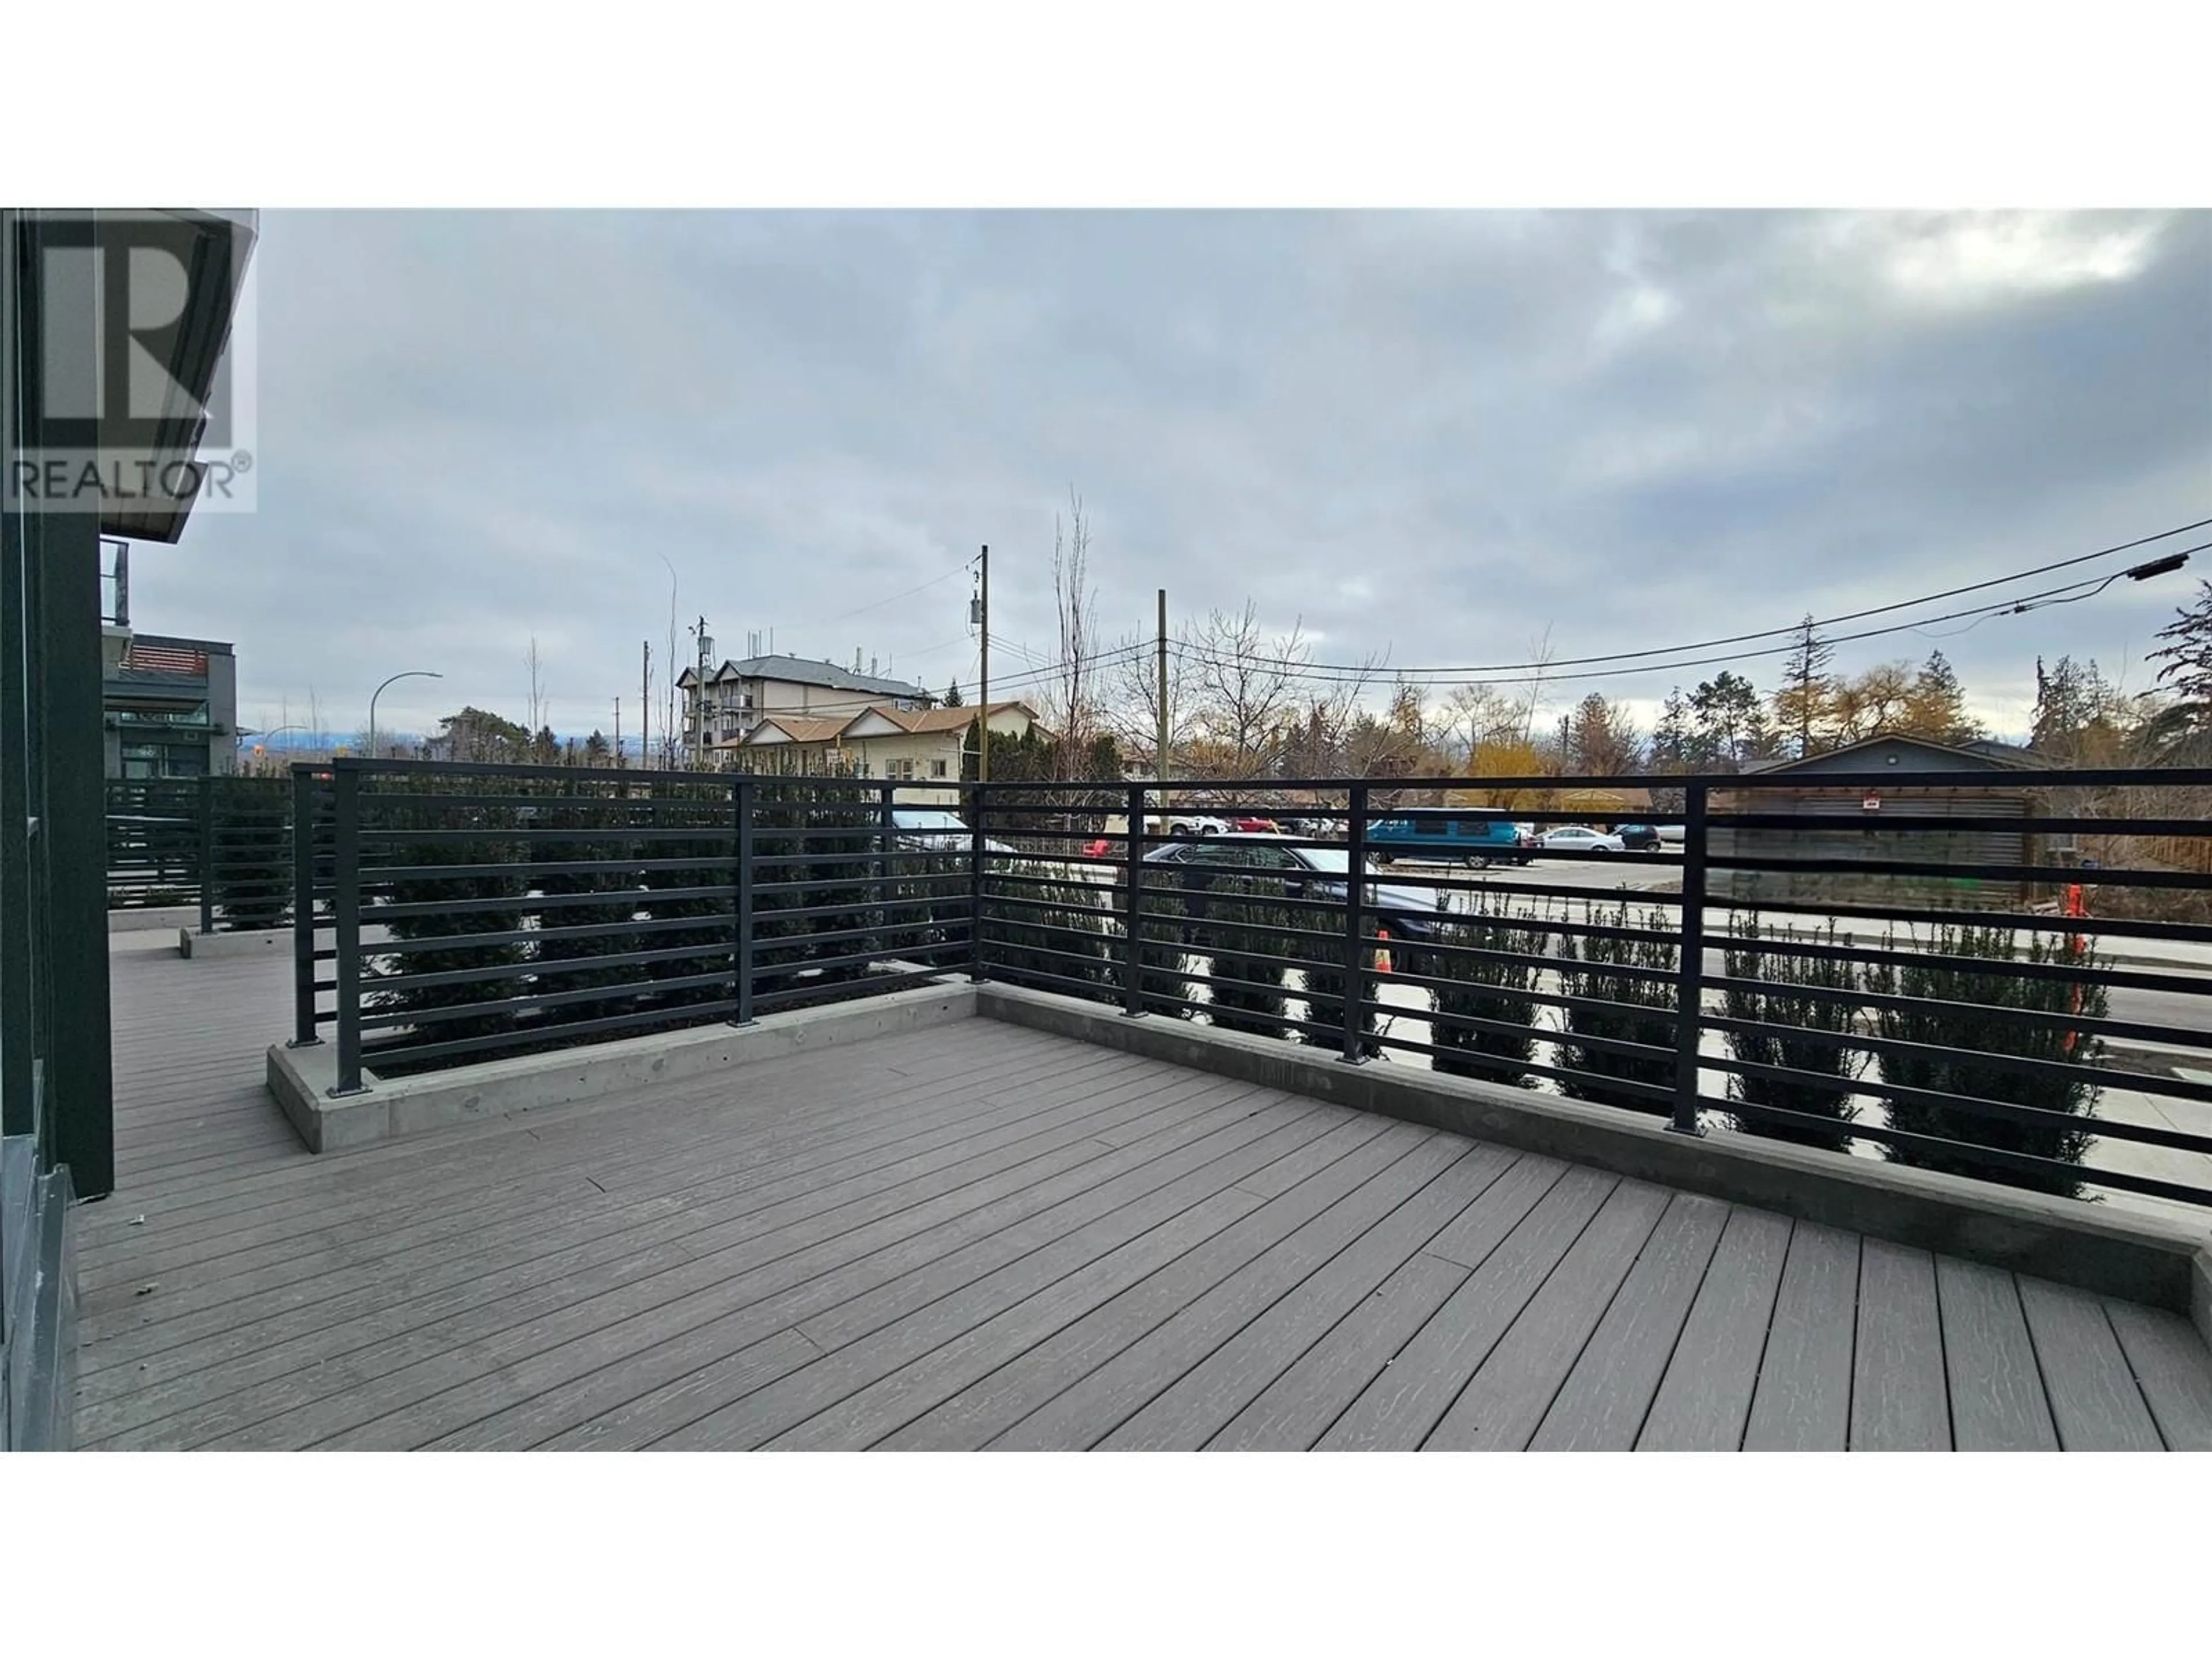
<point x="980" y="1235"/>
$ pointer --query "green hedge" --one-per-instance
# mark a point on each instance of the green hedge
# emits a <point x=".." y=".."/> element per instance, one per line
<point x="601" y="822"/>
<point x="252" y="880"/>
<point x="1640" y="1011"/>
<point x="1966" y="1032"/>
<point x="1019" y="938"/>
<point x="1161" y="921"/>
<point x="1782" y="1004"/>
<point x="708" y="811"/>
<point x="488" y="844"/>
<point x="1485" y="989"/>
<point x="1246" y="932"/>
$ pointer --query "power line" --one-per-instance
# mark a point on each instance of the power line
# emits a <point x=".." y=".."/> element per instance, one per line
<point x="1491" y="670"/>
<point x="2064" y="595"/>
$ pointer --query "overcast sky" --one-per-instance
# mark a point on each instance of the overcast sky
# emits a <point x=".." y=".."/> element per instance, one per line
<point x="1432" y="436"/>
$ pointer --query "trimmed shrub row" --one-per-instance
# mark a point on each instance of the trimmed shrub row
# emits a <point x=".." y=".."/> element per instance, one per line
<point x="1801" y="1020"/>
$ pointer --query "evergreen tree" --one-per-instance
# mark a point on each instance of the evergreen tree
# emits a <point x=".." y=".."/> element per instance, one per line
<point x="2180" y="732"/>
<point x="1954" y="1019"/>
<point x="253" y="844"/>
<point x="1483" y="987"/>
<point x="2077" y="713"/>
<point x="1673" y="738"/>
<point x="596" y="749"/>
<point x="1727" y="711"/>
<point x="952" y="698"/>
<point x="1935" y="706"/>
<point x="476" y="734"/>
<point x="1246" y="932"/>
<point x="1635" y="1007"/>
<point x="500" y="890"/>
<point x="586" y="913"/>
<point x="1790" y="1016"/>
<point x="1802" y="706"/>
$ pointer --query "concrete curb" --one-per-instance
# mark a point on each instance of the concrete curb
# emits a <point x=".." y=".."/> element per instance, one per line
<point x="153" y="919"/>
<point x="2135" y="1257"/>
<point x="193" y="945"/>
<point x="392" y="1108"/>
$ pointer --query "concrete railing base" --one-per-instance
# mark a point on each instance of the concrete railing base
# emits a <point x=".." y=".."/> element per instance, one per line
<point x="154" y="919"/>
<point x="2094" y="1247"/>
<point x="391" y="1108"/>
<point x="194" y="945"/>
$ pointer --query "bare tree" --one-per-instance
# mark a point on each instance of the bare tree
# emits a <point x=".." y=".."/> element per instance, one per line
<point x="1249" y="710"/>
<point x="1539" y="652"/>
<point x="1075" y="607"/>
<point x="1129" y="699"/>
<point x="1484" y="715"/>
<point x="539" y="711"/>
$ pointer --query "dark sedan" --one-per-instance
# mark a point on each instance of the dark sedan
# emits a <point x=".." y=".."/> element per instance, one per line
<point x="1637" y="837"/>
<point x="1191" y="871"/>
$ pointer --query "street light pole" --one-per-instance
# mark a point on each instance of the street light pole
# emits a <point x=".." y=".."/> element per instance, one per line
<point x="408" y="674"/>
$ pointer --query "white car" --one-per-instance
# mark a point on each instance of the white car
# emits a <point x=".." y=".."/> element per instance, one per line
<point x="928" y="830"/>
<point x="1581" y="838"/>
<point x="1194" y="823"/>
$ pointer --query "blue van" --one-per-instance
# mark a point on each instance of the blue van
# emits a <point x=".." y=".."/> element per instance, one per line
<point x="1447" y="837"/>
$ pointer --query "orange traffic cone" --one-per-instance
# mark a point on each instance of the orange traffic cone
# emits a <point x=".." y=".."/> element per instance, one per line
<point x="1382" y="950"/>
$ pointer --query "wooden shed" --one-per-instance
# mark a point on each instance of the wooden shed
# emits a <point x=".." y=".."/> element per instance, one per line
<point x="1847" y="822"/>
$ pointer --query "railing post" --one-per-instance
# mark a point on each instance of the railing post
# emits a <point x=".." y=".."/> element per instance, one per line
<point x="1690" y="986"/>
<point x="346" y="908"/>
<point x="1132" y="960"/>
<point x="741" y="796"/>
<point x="1355" y="929"/>
<point x="975" y="974"/>
<point x="206" y="797"/>
<point x="885" y="866"/>
<point x="303" y="910"/>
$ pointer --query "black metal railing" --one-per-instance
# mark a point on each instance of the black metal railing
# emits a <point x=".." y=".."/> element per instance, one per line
<point x="1993" y="974"/>
<point x="1999" y="975"/>
<point x="476" y="911"/>
<point x="222" y="845"/>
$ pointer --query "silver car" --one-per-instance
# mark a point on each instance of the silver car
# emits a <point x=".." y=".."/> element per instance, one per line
<point x="1581" y="838"/>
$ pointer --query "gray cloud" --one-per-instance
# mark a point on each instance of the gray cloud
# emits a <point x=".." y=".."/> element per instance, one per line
<point x="1435" y="435"/>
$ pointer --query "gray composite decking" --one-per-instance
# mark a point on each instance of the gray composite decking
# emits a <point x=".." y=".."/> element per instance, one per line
<point x="979" y="1236"/>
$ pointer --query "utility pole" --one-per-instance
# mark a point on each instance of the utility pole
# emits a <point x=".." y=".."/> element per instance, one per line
<point x="645" y="703"/>
<point x="983" y="698"/>
<point x="619" y="753"/>
<point x="1160" y="751"/>
<point x="699" y="699"/>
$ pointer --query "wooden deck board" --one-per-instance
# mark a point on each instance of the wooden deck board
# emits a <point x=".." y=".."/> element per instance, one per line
<point x="746" y="1257"/>
<point x="1398" y="1409"/>
<point x="1333" y="1166"/>
<point x="1103" y="1401"/>
<point x="2168" y="1359"/>
<point x="1900" y="1401"/>
<point x="1506" y="1399"/>
<point x="1998" y="1402"/>
<point x="1704" y="1397"/>
<point x="2095" y="1403"/>
<point x="1198" y="1406"/>
<point x="1803" y="1400"/>
<point x="979" y="1234"/>
<point x="1601" y="1404"/>
<point x="1048" y="1230"/>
